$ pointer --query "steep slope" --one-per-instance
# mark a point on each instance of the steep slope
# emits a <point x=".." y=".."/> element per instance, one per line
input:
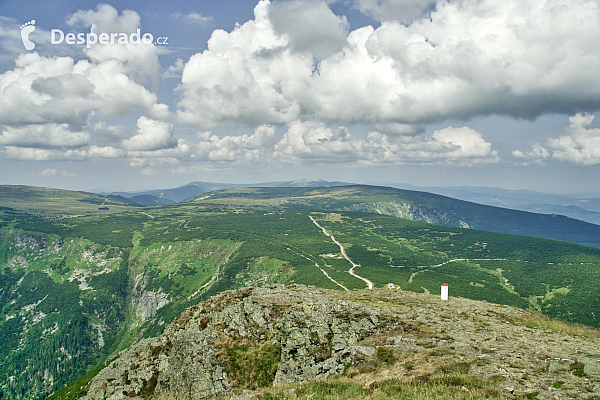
<point x="582" y="207"/>
<point x="383" y="340"/>
<point x="417" y="206"/>
<point x="92" y="283"/>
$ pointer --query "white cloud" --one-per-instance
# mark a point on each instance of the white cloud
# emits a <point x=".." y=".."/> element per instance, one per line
<point x="466" y="58"/>
<point x="48" y="172"/>
<point x="31" y="154"/>
<point x="313" y="141"/>
<point x="151" y="136"/>
<point x="240" y="77"/>
<point x="175" y="70"/>
<point x="255" y="147"/>
<point x="193" y="17"/>
<point x="395" y="128"/>
<point x="309" y="26"/>
<point x="105" y="19"/>
<point x="468" y="144"/>
<point x="310" y="142"/>
<point x="58" y="90"/>
<point x="43" y="136"/>
<point x="139" y="61"/>
<point x="536" y="155"/>
<point x="104" y="152"/>
<point x="581" y="145"/>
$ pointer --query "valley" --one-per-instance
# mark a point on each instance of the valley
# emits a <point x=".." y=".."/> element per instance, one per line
<point x="92" y="283"/>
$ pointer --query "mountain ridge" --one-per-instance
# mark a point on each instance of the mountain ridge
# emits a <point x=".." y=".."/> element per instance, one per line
<point x="420" y="206"/>
<point x="94" y="282"/>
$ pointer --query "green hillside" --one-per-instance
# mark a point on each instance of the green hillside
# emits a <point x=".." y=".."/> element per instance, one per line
<point x="50" y="200"/>
<point x="413" y="205"/>
<point x="92" y="283"/>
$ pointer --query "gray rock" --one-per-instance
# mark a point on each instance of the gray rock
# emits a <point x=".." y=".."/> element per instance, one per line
<point x="317" y="338"/>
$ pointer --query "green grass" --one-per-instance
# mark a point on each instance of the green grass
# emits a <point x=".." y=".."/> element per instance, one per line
<point x="178" y="250"/>
<point x="250" y="366"/>
<point x="340" y="388"/>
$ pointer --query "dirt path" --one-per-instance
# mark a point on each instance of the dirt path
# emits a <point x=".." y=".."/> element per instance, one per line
<point x="322" y="270"/>
<point x="351" y="271"/>
<point x="448" y="262"/>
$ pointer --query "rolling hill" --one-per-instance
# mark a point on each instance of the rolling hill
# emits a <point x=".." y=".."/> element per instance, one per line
<point x="585" y="207"/>
<point x="77" y="287"/>
<point x="413" y="205"/>
<point x="181" y="193"/>
<point x="40" y="199"/>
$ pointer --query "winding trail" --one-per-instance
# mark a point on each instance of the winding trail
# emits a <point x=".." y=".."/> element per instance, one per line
<point x="351" y="271"/>
<point x="448" y="262"/>
<point x="322" y="270"/>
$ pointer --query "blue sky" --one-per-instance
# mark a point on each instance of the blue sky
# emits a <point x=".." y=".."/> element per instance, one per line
<point x="459" y="92"/>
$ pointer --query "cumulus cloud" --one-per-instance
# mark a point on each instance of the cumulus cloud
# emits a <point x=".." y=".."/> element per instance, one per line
<point x="31" y="154"/>
<point x="45" y="136"/>
<point x="309" y="142"/>
<point x="400" y="10"/>
<point x="466" y="144"/>
<point x="536" y="155"/>
<point x="38" y="154"/>
<point x="240" y="77"/>
<point x="109" y="83"/>
<point x="54" y="108"/>
<point x="257" y="146"/>
<point x="581" y="145"/>
<point x="151" y="136"/>
<point x="105" y="19"/>
<point x="309" y="26"/>
<point x="104" y="152"/>
<point x="175" y="70"/>
<point x="139" y="61"/>
<point x="465" y="58"/>
<point x="59" y="90"/>
<point x="313" y="141"/>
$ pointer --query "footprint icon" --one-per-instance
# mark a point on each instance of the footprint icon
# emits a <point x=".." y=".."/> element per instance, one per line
<point x="26" y="29"/>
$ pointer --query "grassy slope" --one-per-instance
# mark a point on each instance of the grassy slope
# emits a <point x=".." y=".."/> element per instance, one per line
<point x="420" y="206"/>
<point x="178" y="249"/>
<point x="50" y="200"/>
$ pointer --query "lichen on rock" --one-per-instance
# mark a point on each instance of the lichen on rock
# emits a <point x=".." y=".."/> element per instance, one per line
<point x="245" y="339"/>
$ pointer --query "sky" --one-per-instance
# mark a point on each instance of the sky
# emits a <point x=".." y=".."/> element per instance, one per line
<point x="459" y="92"/>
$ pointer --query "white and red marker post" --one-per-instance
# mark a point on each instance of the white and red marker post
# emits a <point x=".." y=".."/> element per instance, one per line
<point x="444" y="291"/>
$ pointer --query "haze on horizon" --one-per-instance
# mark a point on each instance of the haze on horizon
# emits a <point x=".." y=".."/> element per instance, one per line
<point x="460" y="92"/>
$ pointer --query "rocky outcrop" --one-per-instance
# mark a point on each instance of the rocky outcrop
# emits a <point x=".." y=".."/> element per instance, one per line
<point x="286" y="335"/>
<point x="241" y="341"/>
<point x="148" y="303"/>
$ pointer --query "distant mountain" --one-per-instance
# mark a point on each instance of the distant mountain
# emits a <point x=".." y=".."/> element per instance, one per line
<point x="583" y="208"/>
<point x="79" y="285"/>
<point x="413" y="205"/>
<point x="176" y="195"/>
<point x="149" y="200"/>
<point x="49" y="199"/>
